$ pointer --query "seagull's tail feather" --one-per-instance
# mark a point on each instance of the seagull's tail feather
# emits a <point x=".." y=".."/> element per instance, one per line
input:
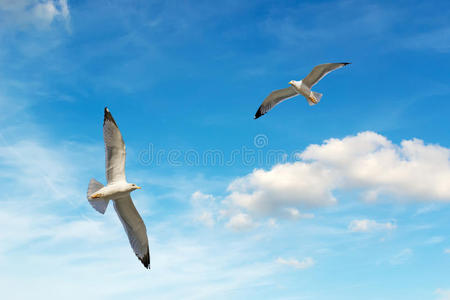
<point x="99" y="205"/>
<point x="316" y="96"/>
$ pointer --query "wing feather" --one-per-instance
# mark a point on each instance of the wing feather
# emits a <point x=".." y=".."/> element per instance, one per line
<point x="114" y="148"/>
<point x="134" y="228"/>
<point x="275" y="98"/>
<point x="319" y="71"/>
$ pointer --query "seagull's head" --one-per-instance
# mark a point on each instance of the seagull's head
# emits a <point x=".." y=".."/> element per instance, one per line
<point x="292" y="82"/>
<point x="134" y="187"/>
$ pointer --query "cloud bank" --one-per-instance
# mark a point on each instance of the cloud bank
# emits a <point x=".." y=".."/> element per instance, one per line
<point x="368" y="163"/>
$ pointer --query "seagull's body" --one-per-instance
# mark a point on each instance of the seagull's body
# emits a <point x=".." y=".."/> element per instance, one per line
<point x="112" y="191"/>
<point x="118" y="190"/>
<point x="302" y="87"/>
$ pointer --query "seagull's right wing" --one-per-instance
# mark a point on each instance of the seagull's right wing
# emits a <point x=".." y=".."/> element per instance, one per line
<point x="114" y="148"/>
<point x="319" y="71"/>
<point x="134" y="227"/>
<point x="274" y="98"/>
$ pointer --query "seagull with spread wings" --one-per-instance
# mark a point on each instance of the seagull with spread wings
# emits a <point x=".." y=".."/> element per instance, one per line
<point x="302" y="87"/>
<point x="118" y="190"/>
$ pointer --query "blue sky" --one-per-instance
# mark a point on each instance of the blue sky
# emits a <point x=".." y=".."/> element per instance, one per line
<point x="348" y="199"/>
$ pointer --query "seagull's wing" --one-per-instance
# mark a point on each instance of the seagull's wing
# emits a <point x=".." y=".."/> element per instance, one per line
<point x="134" y="227"/>
<point x="274" y="98"/>
<point x="114" y="148"/>
<point x="319" y="71"/>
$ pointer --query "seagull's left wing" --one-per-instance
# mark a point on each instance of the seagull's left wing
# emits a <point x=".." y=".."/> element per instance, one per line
<point x="134" y="227"/>
<point x="319" y="71"/>
<point x="114" y="148"/>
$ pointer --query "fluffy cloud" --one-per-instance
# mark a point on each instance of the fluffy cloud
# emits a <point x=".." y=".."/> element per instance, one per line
<point x="283" y="187"/>
<point x="370" y="161"/>
<point x="296" y="214"/>
<point x="241" y="222"/>
<point x="367" y="162"/>
<point x="369" y="225"/>
<point x="306" y="263"/>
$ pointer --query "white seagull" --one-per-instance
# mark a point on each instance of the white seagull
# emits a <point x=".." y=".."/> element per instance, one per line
<point x="118" y="190"/>
<point x="302" y="87"/>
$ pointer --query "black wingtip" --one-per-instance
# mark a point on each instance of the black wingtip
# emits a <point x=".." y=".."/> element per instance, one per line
<point x="108" y="117"/>
<point x="258" y="113"/>
<point x="146" y="259"/>
<point x="346" y="63"/>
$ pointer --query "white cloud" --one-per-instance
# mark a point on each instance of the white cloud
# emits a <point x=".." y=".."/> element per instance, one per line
<point x="326" y="23"/>
<point x="437" y="40"/>
<point x="43" y="172"/>
<point x="200" y="199"/>
<point x="63" y="239"/>
<point x="435" y="240"/>
<point x="426" y="209"/>
<point x="447" y="251"/>
<point x="45" y="12"/>
<point x="83" y="247"/>
<point x="204" y="208"/>
<point x="40" y="14"/>
<point x="85" y="229"/>
<point x="64" y="8"/>
<point x="306" y="263"/>
<point x="272" y="223"/>
<point x="296" y="214"/>
<point x="283" y="187"/>
<point x="442" y="294"/>
<point x="241" y="222"/>
<point x="367" y="162"/>
<point x="372" y="162"/>
<point x="366" y="225"/>
<point x="206" y="218"/>
<point x="401" y="257"/>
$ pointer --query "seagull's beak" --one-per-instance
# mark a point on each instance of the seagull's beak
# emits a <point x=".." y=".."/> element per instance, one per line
<point x="291" y="82"/>
<point x="138" y="187"/>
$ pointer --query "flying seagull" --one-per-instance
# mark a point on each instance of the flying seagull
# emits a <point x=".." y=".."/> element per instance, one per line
<point x="302" y="87"/>
<point x="118" y="190"/>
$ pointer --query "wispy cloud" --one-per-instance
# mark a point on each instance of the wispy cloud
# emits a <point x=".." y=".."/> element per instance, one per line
<point x="40" y="170"/>
<point x="37" y="14"/>
<point x="83" y="248"/>
<point x="205" y="208"/>
<point x="330" y="22"/>
<point x="366" y="225"/>
<point x="306" y="263"/>
<point x="402" y="257"/>
<point x="442" y="294"/>
<point x="435" y="240"/>
<point x="437" y="40"/>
